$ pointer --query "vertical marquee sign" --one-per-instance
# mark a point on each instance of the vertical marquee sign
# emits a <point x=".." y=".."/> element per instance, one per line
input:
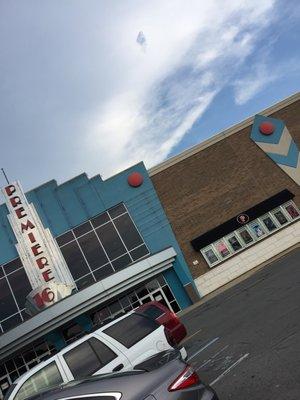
<point x="41" y="257"/>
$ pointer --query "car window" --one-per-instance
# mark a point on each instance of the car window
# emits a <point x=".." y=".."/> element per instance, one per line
<point x="136" y="327"/>
<point x="104" y="353"/>
<point x="152" y="312"/>
<point x="45" y="377"/>
<point x="88" y="357"/>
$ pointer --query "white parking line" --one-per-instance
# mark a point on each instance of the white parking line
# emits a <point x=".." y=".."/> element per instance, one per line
<point x="229" y="369"/>
<point x="212" y="357"/>
<point x="203" y="348"/>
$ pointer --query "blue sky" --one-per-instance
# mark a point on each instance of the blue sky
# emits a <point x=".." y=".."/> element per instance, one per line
<point x="79" y="93"/>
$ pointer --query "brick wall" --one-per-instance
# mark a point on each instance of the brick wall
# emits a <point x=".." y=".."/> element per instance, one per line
<point x="213" y="185"/>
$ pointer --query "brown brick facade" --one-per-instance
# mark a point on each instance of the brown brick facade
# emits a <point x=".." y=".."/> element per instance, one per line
<point x="218" y="182"/>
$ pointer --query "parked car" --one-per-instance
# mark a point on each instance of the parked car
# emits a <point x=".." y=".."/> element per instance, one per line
<point x="164" y="376"/>
<point x="119" y="345"/>
<point x="166" y="317"/>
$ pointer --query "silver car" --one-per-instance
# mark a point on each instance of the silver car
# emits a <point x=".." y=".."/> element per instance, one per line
<point x="164" y="376"/>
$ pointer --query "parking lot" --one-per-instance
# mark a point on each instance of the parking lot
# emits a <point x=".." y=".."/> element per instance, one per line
<point x="245" y="342"/>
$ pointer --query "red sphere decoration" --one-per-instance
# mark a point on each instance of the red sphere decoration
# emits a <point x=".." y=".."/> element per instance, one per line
<point x="135" y="179"/>
<point x="266" y="128"/>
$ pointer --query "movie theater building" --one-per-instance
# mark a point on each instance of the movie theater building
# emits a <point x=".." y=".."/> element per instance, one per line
<point x="78" y="254"/>
<point x="233" y="201"/>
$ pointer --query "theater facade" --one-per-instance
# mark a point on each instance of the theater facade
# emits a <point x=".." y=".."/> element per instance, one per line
<point x="233" y="201"/>
<point x="75" y="255"/>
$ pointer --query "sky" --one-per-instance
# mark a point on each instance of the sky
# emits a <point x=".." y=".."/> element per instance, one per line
<point x="96" y="86"/>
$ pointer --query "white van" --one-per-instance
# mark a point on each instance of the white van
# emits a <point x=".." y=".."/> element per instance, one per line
<point x="119" y="345"/>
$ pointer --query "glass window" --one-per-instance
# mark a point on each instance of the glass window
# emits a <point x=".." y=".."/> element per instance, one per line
<point x="210" y="255"/>
<point x="280" y="217"/>
<point x="136" y="327"/>
<point x="74" y="258"/>
<point x="82" y="360"/>
<point x="117" y="210"/>
<point x="268" y="223"/>
<point x="85" y="281"/>
<point x="104" y="353"/>
<point x="152" y="285"/>
<point x="103" y="272"/>
<point x="20" y="285"/>
<point x="291" y="209"/>
<point x="100" y="220"/>
<point x="92" y="250"/>
<point x="222" y="248"/>
<point x="139" y="252"/>
<point x="7" y="303"/>
<point x="245" y="236"/>
<point x="11" y="322"/>
<point x="168" y="293"/>
<point x="1" y="271"/>
<point x="12" y="266"/>
<point x="65" y="238"/>
<point x="46" y="377"/>
<point x="82" y="229"/>
<point x="128" y="231"/>
<point x="234" y="243"/>
<point x="111" y="241"/>
<point x="121" y="262"/>
<point x="257" y="229"/>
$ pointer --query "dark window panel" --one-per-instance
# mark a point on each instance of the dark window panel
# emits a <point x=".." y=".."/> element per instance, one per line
<point x="168" y="293"/>
<point x="25" y="315"/>
<point x="152" y="285"/>
<point x="41" y="348"/>
<point x="117" y="210"/>
<point x="29" y="356"/>
<point x="175" y="306"/>
<point x="1" y="271"/>
<point x="141" y="292"/>
<point x="139" y="252"/>
<point x="22" y="370"/>
<point x="65" y="238"/>
<point x="124" y="301"/>
<point x="100" y="220"/>
<point x="121" y="262"/>
<point x="115" y="307"/>
<point x="11" y="322"/>
<point x="10" y="365"/>
<point x="93" y="250"/>
<point x="74" y="258"/>
<point x="20" y="286"/>
<point x="101" y="315"/>
<point x="19" y="361"/>
<point x="111" y="241"/>
<point x="82" y="229"/>
<point x="12" y="266"/>
<point x="7" y="303"/>
<point x="104" y="353"/>
<point x="161" y="280"/>
<point x="85" y="281"/>
<point x="128" y="231"/>
<point x="136" y="327"/>
<point x="82" y="360"/>
<point x="2" y="370"/>
<point x="103" y="272"/>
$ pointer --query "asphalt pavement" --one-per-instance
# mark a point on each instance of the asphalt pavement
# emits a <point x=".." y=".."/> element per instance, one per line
<point x="245" y="341"/>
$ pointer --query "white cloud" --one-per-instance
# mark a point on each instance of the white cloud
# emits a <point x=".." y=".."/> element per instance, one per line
<point x="193" y="50"/>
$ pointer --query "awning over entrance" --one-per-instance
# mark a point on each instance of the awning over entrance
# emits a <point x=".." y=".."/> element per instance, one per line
<point x="84" y="300"/>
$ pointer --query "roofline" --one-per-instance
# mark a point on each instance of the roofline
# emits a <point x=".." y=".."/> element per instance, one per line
<point x="222" y="135"/>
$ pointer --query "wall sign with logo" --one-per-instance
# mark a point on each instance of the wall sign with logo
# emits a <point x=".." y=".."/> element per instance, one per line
<point x="43" y="262"/>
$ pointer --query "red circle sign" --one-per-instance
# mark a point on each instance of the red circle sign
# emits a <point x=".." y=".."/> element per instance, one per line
<point x="135" y="179"/>
<point x="266" y="128"/>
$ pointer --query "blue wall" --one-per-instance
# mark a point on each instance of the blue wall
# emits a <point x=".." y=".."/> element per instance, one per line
<point x="62" y="207"/>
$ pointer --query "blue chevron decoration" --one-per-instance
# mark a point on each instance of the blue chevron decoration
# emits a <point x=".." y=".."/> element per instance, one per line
<point x="273" y="137"/>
